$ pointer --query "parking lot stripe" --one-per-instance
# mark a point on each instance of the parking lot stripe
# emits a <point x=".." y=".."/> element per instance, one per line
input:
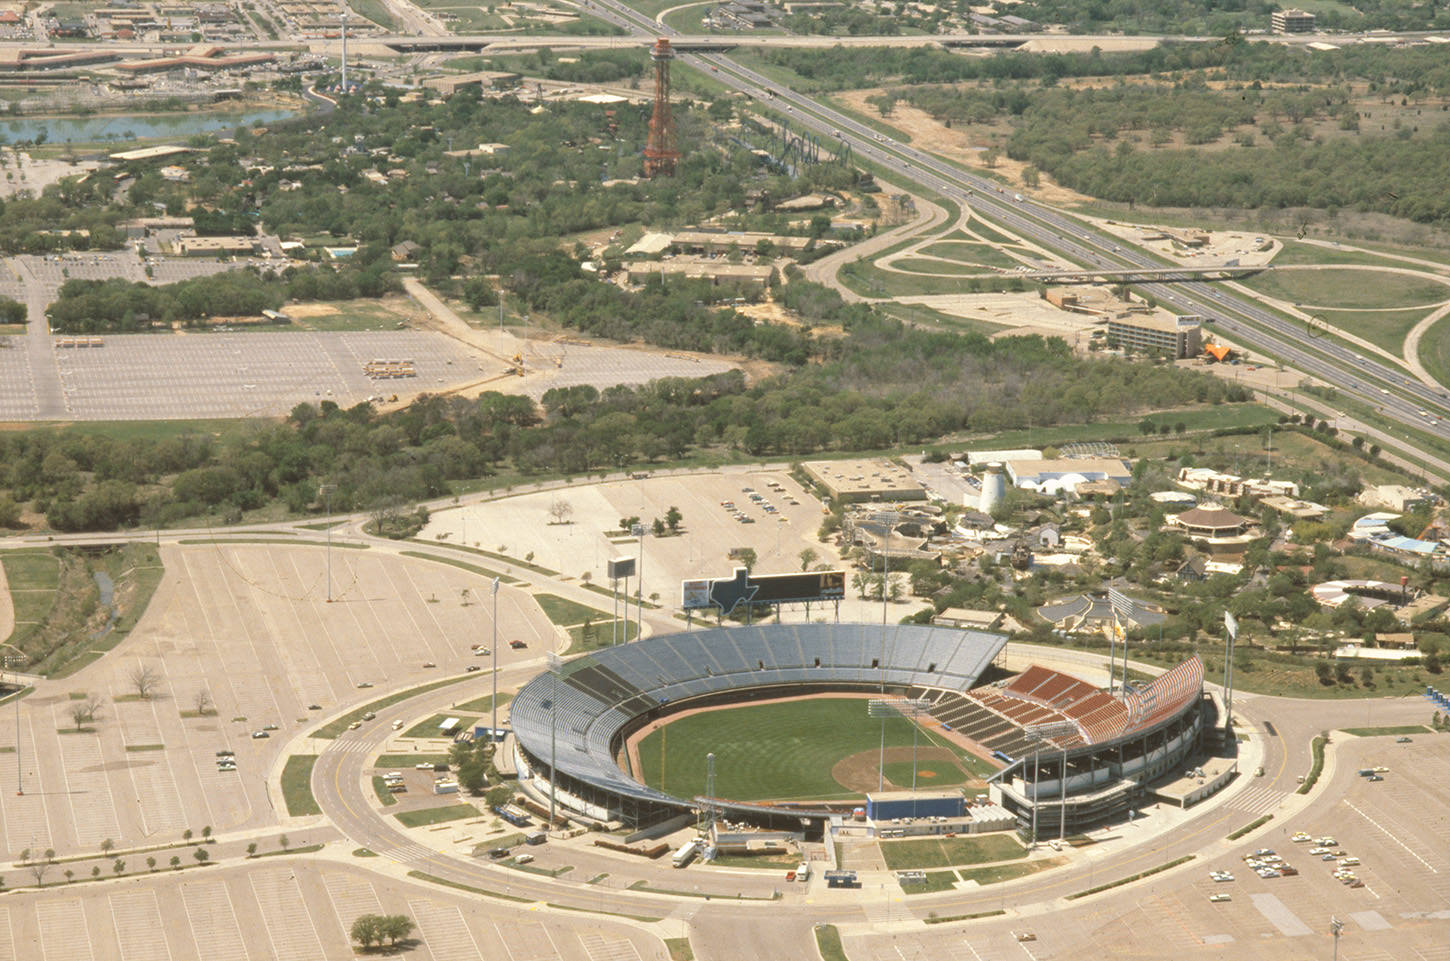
<point x="289" y="925"/>
<point x="600" y="948"/>
<point x="63" y="934"/>
<point x="7" y="936"/>
<point x="444" y="931"/>
<point x="213" y="920"/>
<point x="139" y="932"/>
<point x="1392" y="837"/>
<point x="351" y="897"/>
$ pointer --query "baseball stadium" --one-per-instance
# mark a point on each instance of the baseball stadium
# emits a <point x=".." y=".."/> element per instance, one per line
<point x="784" y="709"/>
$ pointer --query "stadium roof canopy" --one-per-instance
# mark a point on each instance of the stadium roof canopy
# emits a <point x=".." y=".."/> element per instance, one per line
<point x="600" y="694"/>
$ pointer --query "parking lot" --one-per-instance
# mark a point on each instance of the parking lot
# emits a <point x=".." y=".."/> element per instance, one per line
<point x="297" y="911"/>
<point x="143" y="376"/>
<point x="523" y="524"/>
<point x="1396" y="829"/>
<point x="250" y="627"/>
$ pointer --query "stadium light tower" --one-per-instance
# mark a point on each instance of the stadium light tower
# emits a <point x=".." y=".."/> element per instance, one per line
<point x="660" y="152"/>
<point x="638" y="531"/>
<point x="556" y="664"/>
<point x="1041" y="733"/>
<point x="493" y="732"/>
<point x="910" y="708"/>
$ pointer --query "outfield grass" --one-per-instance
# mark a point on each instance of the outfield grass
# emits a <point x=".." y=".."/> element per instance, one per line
<point x="423" y="816"/>
<point x="297" y="785"/>
<point x="918" y="853"/>
<point x="768" y="751"/>
<point x="564" y="612"/>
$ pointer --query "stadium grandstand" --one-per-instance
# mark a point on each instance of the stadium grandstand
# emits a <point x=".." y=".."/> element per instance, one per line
<point x="598" y="700"/>
<point x="1111" y="746"/>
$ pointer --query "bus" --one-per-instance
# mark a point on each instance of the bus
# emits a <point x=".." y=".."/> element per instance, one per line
<point x="686" y="853"/>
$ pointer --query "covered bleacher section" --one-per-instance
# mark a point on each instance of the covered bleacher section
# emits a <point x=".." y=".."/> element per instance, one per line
<point x="598" y="699"/>
<point x="1120" y="743"/>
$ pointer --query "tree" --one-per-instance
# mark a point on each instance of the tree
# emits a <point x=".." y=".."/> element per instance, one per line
<point x="50" y="855"/>
<point x="560" y="510"/>
<point x="252" y="849"/>
<point x="176" y="862"/>
<point x="397" y="927"/>
<point x="38" y="871"/>
<point x="206" y="833"/>
<point x="808" y="557"/>
<point x="119" y="866"/>
<point x="186" y="835"/>
<point x="96" y="871"/>
<point x="12" y="311"/>
<point x="201" y="855"/>
<point x="107" y="846"/>
<point x="84" y="712"/>
<point x="747" y="557"/>
<point x="367" y="930"/>
<point x="150" y="864"/>
<point x="658" y="528"/>
<point x="1324" y="672"/>
<point x="627" y="523"/>
<point x="144" y="679"/>
<point x="284" y="842"/>
<point x="69" y="875"/>
<point x="673" y="518"/>
<point x="202" y="703"/>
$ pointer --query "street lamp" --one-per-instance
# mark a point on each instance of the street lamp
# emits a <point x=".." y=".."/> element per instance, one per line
<point x="1335" y="927"/>
<point x="18" y="659"/>
<point x="493" y="732"/>
<point x="326" y="491"/>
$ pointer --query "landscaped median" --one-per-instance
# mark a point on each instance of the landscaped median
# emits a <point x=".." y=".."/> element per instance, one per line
<point x="1132" y="877"/>
<point x="336" y="726"/>
<point x="1318" y="765"/>
<point x="425" y="816"/>
<point x="297" y="785"/>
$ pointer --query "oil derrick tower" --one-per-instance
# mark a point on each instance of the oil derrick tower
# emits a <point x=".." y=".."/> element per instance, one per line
<point x="660" y="153"/>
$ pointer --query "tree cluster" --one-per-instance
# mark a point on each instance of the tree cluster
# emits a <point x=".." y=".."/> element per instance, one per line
<point x="371" y="930"/>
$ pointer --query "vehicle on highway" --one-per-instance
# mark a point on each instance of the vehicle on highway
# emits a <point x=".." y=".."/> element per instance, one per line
<point x="369" y="716"/>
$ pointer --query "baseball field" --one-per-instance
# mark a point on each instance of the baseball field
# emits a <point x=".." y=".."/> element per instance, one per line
<point x="819" y="748"/>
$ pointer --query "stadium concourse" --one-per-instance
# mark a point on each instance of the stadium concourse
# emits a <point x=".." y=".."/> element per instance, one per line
<point x="582" y="714"/>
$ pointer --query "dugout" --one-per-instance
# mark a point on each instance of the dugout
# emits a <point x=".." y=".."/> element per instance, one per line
<point x="893" y="805"/>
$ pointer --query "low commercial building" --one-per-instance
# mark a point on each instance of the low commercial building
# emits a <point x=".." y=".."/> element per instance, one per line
<point x="1176" y="337"/>
<point x="875" y="479"/>
<point x="747" y="277"/>
<point x="1232" y="485"/>
<point x="1039" y="473"/>
<point x="961" y="617"/>
<point x="1395" y="497"/>
<point x="215" y="246"/>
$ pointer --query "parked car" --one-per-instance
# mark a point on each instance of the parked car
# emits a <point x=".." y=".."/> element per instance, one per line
<point x="517" y="645"/>
<point x="472" y="667"/>
<point x="259" y="734"/>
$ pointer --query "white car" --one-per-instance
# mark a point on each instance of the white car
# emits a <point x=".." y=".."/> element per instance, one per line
<point x="1220" y="876"/>
<point x="1300" y="838"/>
<point x="1219" y="898"/>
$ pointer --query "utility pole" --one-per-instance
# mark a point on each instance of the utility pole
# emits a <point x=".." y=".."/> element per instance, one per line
<point x="493" y="733"/>
<point x="17" y="659"/>
<point x="555" y="665"/>
<point x="327" y="493"/>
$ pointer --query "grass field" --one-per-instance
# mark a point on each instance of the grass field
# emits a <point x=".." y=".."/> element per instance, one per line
<point x="1435" y="350"/>
<point x="1383" y="328"/>
<point x="429" y="728"/>
<point x="380" y="788"/>
<point x="918" y="853"/>
<point x="775" y="751"/>
<point x="451" y="812"/>
<point x="408" y="760"/>
<point x="297" y="785"/>
<point x="564" y="612"/>
<point x="1402" y="730"/>
<point x="1348" y="288"/>
<point x="935" y="881"/>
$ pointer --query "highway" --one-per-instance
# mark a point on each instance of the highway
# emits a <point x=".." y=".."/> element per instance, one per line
<point x="1397" y="396"/>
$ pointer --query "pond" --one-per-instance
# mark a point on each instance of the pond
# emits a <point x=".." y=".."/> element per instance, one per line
<point x="123" y="128"/>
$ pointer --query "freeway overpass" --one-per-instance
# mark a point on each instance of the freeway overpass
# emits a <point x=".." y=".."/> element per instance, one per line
<point x="1142" y="275"/>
